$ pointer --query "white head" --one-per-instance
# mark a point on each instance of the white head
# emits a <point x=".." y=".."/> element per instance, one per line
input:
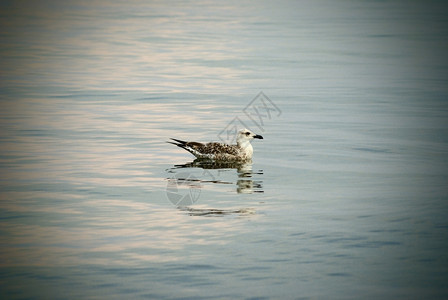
<point x="245" y="136"/>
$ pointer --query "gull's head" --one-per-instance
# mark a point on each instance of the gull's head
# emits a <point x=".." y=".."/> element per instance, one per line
<point x="245" y="135"/>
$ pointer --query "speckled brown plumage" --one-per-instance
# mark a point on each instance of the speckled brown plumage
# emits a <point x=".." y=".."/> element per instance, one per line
<point x="218" y="151"/>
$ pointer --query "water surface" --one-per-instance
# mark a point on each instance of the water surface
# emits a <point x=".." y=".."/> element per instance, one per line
<point x="346" y="195"/>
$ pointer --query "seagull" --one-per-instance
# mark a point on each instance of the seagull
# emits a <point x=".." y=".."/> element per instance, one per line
<point x="242" y="151"/>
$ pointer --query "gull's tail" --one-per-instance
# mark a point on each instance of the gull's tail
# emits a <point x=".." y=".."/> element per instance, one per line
<point x="194" y="148"/>
<point x="183" y="144"/>
<point x="178" y="143"/>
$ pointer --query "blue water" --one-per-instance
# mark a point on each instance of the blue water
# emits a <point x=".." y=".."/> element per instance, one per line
<point x="346" y="197"/>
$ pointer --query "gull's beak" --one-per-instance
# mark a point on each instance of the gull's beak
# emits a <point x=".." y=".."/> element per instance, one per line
<point x="258" y="137"/>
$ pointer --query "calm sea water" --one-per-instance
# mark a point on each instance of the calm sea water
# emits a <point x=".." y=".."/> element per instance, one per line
<point x="346" y="196"/>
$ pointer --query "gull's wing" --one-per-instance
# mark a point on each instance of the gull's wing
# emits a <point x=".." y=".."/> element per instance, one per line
<point x="209" y="150"/>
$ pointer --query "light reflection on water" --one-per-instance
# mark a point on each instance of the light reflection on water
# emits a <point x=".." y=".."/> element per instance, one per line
<point x="345" y="196"/>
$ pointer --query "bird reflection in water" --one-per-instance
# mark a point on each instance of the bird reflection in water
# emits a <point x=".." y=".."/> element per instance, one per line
<point x="185" y="186"/>
<point x="244" y="184"/>
<point x="213" y="212"/>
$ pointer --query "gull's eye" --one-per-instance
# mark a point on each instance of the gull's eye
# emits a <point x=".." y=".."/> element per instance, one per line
<point x="247" y="133"/>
